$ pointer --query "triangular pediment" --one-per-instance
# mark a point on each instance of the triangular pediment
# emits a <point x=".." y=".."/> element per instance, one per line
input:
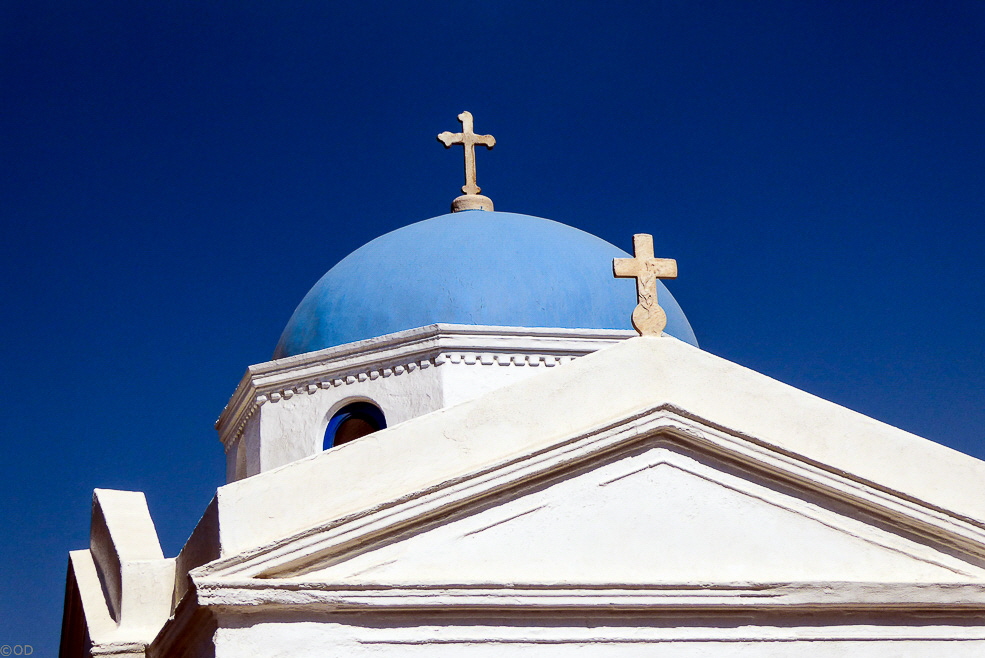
<point x="658" y="500"/>
<point x="654" y="515"/>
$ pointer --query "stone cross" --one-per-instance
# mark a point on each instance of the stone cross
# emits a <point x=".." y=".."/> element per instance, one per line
<point x="468" y="139"/>
<point x="648" y="318"/>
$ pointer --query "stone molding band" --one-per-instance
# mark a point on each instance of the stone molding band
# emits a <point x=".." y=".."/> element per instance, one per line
<point x="466" y="358"/>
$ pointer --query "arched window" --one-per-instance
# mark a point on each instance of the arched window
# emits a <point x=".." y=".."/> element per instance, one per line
<point x="351" y="422"/>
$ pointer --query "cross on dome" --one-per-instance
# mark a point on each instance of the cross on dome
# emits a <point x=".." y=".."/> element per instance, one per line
<point x="648" y="318"/>
<point x="471" y="200"/>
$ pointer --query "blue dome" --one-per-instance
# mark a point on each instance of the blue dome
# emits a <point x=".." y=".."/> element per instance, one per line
<point x="472" y="267"/>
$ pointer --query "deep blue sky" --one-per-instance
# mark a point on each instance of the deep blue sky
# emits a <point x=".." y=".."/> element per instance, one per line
<point x="175" y="176"/>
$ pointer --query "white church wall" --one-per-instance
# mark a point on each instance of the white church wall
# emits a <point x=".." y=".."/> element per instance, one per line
<point x="294" y="426"/>
<point x="468" y="375"/>
<point x="617" y="383"/>
<point x="597" y="635"/>
<point x="632" y="502"/>
<point x="653" y="515"/>
<point x="120" y="590"/>
<point x="290" y="424"/>
<point x="279" y="412"/>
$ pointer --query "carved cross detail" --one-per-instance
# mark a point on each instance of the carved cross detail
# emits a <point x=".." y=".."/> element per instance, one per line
<point x="648" y="318"/>
<point x="468" y="139"/>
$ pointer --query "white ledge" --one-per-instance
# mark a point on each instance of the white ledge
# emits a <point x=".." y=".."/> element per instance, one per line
<point x="740" y="597"/>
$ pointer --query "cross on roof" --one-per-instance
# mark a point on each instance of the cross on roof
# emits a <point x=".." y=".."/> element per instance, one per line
<point x="648" y="318"/>
<point x="468" y="139"/>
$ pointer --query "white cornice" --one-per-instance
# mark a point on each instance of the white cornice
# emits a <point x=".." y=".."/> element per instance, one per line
<point x="741" y="598"/>
<point x="404" y="351"/>
<point x="728" y="612"/>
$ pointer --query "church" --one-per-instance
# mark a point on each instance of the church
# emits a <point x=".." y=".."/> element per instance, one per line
<point x="491" y="434"/>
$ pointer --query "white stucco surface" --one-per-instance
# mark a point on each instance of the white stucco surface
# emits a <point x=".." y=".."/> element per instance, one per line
<point x="651" y="517"/>
<point x="645" y="499"/>
<point x="279" y="412"/>
<point x="121" y="589"/>
<point x="609" y="386"/>
<point x="605" y="637"/>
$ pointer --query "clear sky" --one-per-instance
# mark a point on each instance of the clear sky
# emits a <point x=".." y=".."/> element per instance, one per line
<point x="175" y="176"/>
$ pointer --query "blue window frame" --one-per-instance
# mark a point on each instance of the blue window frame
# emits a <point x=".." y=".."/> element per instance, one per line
<point x="352" y="422"/>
